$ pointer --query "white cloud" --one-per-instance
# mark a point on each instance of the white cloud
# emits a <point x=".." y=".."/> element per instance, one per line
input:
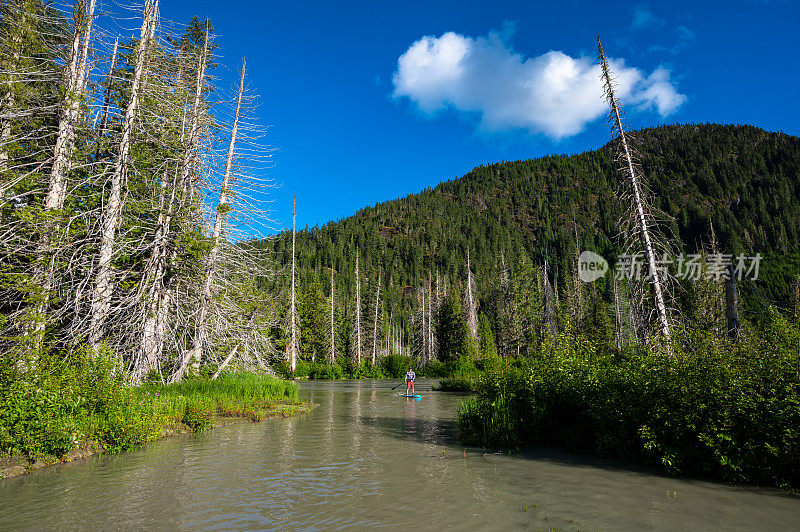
<point x="553" y="93"/>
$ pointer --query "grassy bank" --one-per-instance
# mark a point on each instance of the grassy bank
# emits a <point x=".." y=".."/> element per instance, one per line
<point x="728" y="410"/>
<point x="87" y="406"/>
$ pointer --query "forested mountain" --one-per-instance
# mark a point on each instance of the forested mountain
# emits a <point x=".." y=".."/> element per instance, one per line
<point x="742" y="179"/>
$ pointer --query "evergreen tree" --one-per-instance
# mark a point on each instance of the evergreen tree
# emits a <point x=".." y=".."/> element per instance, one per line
<point x="313" y="321"/>
<point x="451" y="329"/>
<point x="487" y="348"/>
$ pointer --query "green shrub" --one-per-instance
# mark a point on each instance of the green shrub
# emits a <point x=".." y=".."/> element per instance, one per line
<point x="302" y="369"/>
<point x="434" y="369"/>
<point x="326" y="371"/>
<point x="199" y="413"/>
<point x="127" y="425"/>
<point x="461" y="375"/>
<point x="395" y="366"/>
<point x="726" y="409"/>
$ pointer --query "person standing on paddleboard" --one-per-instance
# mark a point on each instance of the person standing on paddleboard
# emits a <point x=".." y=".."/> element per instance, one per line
<point x="410" y="376"/>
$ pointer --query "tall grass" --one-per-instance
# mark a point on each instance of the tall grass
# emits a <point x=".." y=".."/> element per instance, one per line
<point x="196" y="401"/>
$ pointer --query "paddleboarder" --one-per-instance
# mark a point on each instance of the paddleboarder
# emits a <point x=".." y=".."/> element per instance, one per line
<point x="410" y="376"/>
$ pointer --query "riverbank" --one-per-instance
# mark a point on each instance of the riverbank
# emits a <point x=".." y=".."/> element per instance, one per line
<point x="63" y="413"/>
<point x="728" y="410"/>
<point x="19" y="465"/>
<point x="359" y="460"/>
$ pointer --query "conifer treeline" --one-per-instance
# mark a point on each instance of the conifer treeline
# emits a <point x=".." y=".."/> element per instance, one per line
<point x="737" y="183"/>
<point x="120" y="164"/>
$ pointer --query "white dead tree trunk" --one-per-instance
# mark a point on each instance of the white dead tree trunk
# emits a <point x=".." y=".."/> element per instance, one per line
<point x="617" y="314"/>
<point x="375" y="324"/>
<point x="471" y="305"/>
<point x="358" y="314"/>
<point x="291" y="348"/>
<point x="333" y="326"/>
<point x="195" y="353"/>
<point x="431" y="338"/>
<point x="550" y="306"/>
<point x="424" y="334"/>
<point x="102" y="290"/>
<point x="640" y="213"/>
<point x="578" y="284"/>
<point x="76" y="81"/>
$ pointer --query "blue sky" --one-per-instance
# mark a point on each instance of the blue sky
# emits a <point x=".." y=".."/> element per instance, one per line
<point x="370" y="101"/>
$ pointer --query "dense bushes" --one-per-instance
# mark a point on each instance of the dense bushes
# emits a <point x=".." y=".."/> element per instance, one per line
<point x="49" y="410"/>
<point x="728" y="410"/>
<point x="389" y="367"/>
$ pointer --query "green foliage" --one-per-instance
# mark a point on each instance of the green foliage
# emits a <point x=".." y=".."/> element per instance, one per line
<point x="396" y="366"/>
<point x="726" y="409"/>
<point x="460" y="375"/>
<point x="390" y="366"/>
<point x="199" y="413"/>
<point x="49" y="410"/>
<point x="312" y="312"/>
<point x="326" y="372"/>
<point x="486" y="345"/>
<point x="451" y="330"/>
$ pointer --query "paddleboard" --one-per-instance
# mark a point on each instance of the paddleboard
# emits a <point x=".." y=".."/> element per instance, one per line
<point x="407" y="395"/>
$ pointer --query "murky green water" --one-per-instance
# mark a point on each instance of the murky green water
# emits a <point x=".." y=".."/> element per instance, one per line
<point x="368" y="458"/>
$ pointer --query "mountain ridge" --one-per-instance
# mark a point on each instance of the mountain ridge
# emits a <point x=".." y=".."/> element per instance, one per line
<point x="740" y="178"/>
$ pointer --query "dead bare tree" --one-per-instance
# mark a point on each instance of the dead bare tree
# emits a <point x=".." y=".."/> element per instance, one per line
<point x="292" y="347"/>
<point x="103" y="289"/>
<point x="375" y="322"/>
<point x="640" y="211"/>
<point x="470" y="304"/>
<point x="332" y="323"/>
<point x="358" y="313"/>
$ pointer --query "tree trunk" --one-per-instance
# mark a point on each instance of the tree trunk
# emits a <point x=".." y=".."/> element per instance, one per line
<point x="358" y="314"/>
<point x="70" y="112"/>
<point x="102" y="291"/>
<point x="200" y="334"/>
<point x="75" y="77"/>
<point x="617" y="314"/>
<point x="333" y="326"/>
<point x="375" y="325"/>
<point x="471" y="306"/>
<point x="639" y="206"/>
<point x="291" y="349"/>
<point x="732" y="304"/>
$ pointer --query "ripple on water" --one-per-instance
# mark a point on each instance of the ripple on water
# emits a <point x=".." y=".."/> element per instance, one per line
<point x="367" y="458"/>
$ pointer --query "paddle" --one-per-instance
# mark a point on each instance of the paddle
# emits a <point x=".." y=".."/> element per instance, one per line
<point x="402" y="383"/>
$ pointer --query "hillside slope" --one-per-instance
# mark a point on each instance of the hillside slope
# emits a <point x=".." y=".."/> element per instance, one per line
<point x="744" y="180"/>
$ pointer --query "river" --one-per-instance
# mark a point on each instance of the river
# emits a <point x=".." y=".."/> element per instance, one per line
<point x="367" y="458"/>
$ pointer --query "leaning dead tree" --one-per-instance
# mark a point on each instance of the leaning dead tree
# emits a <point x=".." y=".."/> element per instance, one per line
<point x="640" y="211"/>
<point x="200" y="334"/>
<point x="72" y="103"/>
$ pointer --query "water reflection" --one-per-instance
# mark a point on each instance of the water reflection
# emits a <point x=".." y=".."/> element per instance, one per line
<point x="366" y="458"/>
